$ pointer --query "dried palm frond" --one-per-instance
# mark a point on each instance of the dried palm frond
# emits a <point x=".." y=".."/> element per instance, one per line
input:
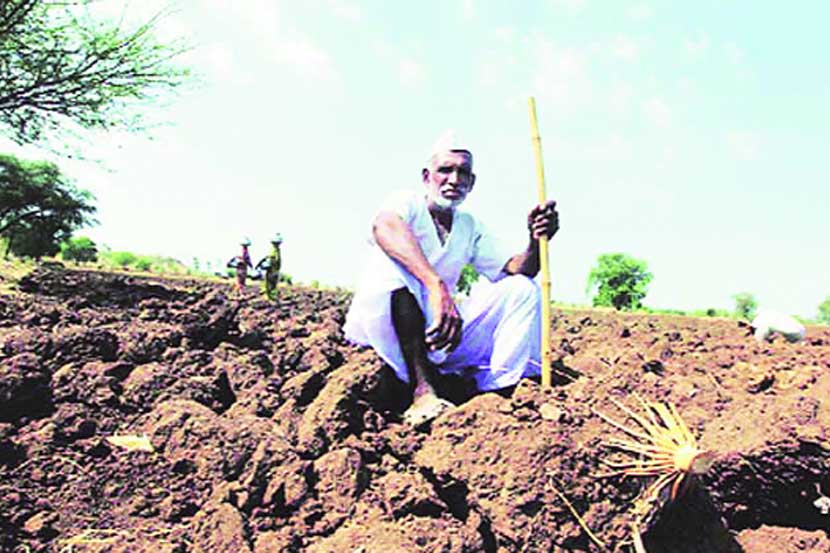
<point x="579" y="519"/>
<point x="663" y="444"/>
<point x="637" y="539"/>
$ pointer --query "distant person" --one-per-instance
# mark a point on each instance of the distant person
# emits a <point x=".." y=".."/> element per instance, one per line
<point x="241" y="263"/>
<point x="768" y="323"/>
<point x="403" y="306"/>
<point x="271" y="264"/>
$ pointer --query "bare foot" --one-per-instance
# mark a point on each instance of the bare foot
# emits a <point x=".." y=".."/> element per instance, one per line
<point x="425" y="408"/>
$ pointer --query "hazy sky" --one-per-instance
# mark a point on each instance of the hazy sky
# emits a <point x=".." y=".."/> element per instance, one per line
<point x="692" y="135"/>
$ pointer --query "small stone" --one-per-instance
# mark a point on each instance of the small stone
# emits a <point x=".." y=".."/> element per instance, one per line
<point x="550" y="412"/>
<point x="760" y="382"/>
<point x="525" y="414"/>
<point x="654" y="366"/>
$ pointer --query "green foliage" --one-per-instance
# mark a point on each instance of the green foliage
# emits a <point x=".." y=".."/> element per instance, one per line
<point x="804" y="320"/>
<point x="122" y="259"/>
<point x="35" y="240"/>
<point x="80" y="249"/>
<point x="39" y="207"/>
<point x="286" y="278"/>
<point x="620" y="281"/>
<point x="823" y="315"/>
<point x="145" y="263"/>
<point x="167" y="265"/>
<point x="662" y="311"/>
<point x="712" y="312"/>
<point x="745" y="306"/>
<point x="465" y="281"/>
<point x="60" y="64"/>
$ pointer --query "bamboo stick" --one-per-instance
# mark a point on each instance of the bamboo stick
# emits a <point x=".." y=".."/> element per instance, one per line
<point x="543" y="247"/>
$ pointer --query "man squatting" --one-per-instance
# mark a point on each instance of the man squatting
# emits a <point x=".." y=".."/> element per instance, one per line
<point x="403" y="305"/>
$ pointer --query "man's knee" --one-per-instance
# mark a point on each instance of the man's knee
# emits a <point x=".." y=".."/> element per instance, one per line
<point x="521" y="288"/>
<point x="406" y="313"/>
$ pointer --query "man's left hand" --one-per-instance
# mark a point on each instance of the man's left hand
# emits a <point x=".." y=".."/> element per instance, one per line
<point x="543" y="220"/>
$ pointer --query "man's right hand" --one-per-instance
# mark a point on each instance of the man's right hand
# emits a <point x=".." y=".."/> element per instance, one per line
<point x="395" y="238"/>
<point x="445" y="329"/>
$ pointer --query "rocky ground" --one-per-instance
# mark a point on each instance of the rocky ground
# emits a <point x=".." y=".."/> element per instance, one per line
<point x="269" y="433"/>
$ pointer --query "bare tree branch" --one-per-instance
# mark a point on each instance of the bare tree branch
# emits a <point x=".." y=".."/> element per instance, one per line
<point x="56" y="66"/>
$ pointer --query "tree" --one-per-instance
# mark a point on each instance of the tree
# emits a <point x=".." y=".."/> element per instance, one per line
<point x="80" y="249"/>
<point x="39" y="207"/>
<point x="824" y="311"/>
<point x="465" y="281"/>
<point x="745" y="305"/>
<point x="36" y="238"/>
<point x="620" y="281"/>
<point x="58" y="64"/>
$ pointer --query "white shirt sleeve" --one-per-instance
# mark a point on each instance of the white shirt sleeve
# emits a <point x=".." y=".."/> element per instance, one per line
<point x="488" y="257"/>
<point x="401" y="203"/>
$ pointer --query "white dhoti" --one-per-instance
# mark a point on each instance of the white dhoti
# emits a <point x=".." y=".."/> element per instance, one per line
<point x="500" y="338"/>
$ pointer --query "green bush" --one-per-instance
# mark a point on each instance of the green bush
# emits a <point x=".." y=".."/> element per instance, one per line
<point x="80" y="249"/>
<point x="824" y="311"/>
<point x="143" y="263"/>
<point x="122" y="259"/>
<point x="745" y="306"/>
<point x="620" y="281"/>
<point x="146" y="263"/>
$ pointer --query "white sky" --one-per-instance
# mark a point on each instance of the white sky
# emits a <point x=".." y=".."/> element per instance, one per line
<point x="692" y="135"/>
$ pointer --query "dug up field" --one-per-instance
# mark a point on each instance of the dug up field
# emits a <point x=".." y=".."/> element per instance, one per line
<point x="139" y="414"/>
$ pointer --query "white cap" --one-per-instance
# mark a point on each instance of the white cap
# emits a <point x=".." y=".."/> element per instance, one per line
<point x="449" y="141"/>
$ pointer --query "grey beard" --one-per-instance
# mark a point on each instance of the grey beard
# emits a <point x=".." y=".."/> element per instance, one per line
<point x="443" y="202"/>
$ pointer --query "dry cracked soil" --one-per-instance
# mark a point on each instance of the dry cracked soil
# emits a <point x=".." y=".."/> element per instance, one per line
<point x="270" y="433"/>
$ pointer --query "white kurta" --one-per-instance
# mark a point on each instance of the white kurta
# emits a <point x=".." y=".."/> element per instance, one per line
<point x="500" y="333"/>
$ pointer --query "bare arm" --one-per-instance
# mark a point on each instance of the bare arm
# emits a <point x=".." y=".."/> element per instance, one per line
<point x="543" y="220"/>
<point x="396" y="239"/>
<point x="526" y="262"/>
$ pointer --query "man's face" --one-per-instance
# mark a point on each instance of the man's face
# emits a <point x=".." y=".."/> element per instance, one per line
<point x="449" y="178"/>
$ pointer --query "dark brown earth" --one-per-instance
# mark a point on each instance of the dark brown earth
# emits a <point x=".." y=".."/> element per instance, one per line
<point x="272" y="434"/>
